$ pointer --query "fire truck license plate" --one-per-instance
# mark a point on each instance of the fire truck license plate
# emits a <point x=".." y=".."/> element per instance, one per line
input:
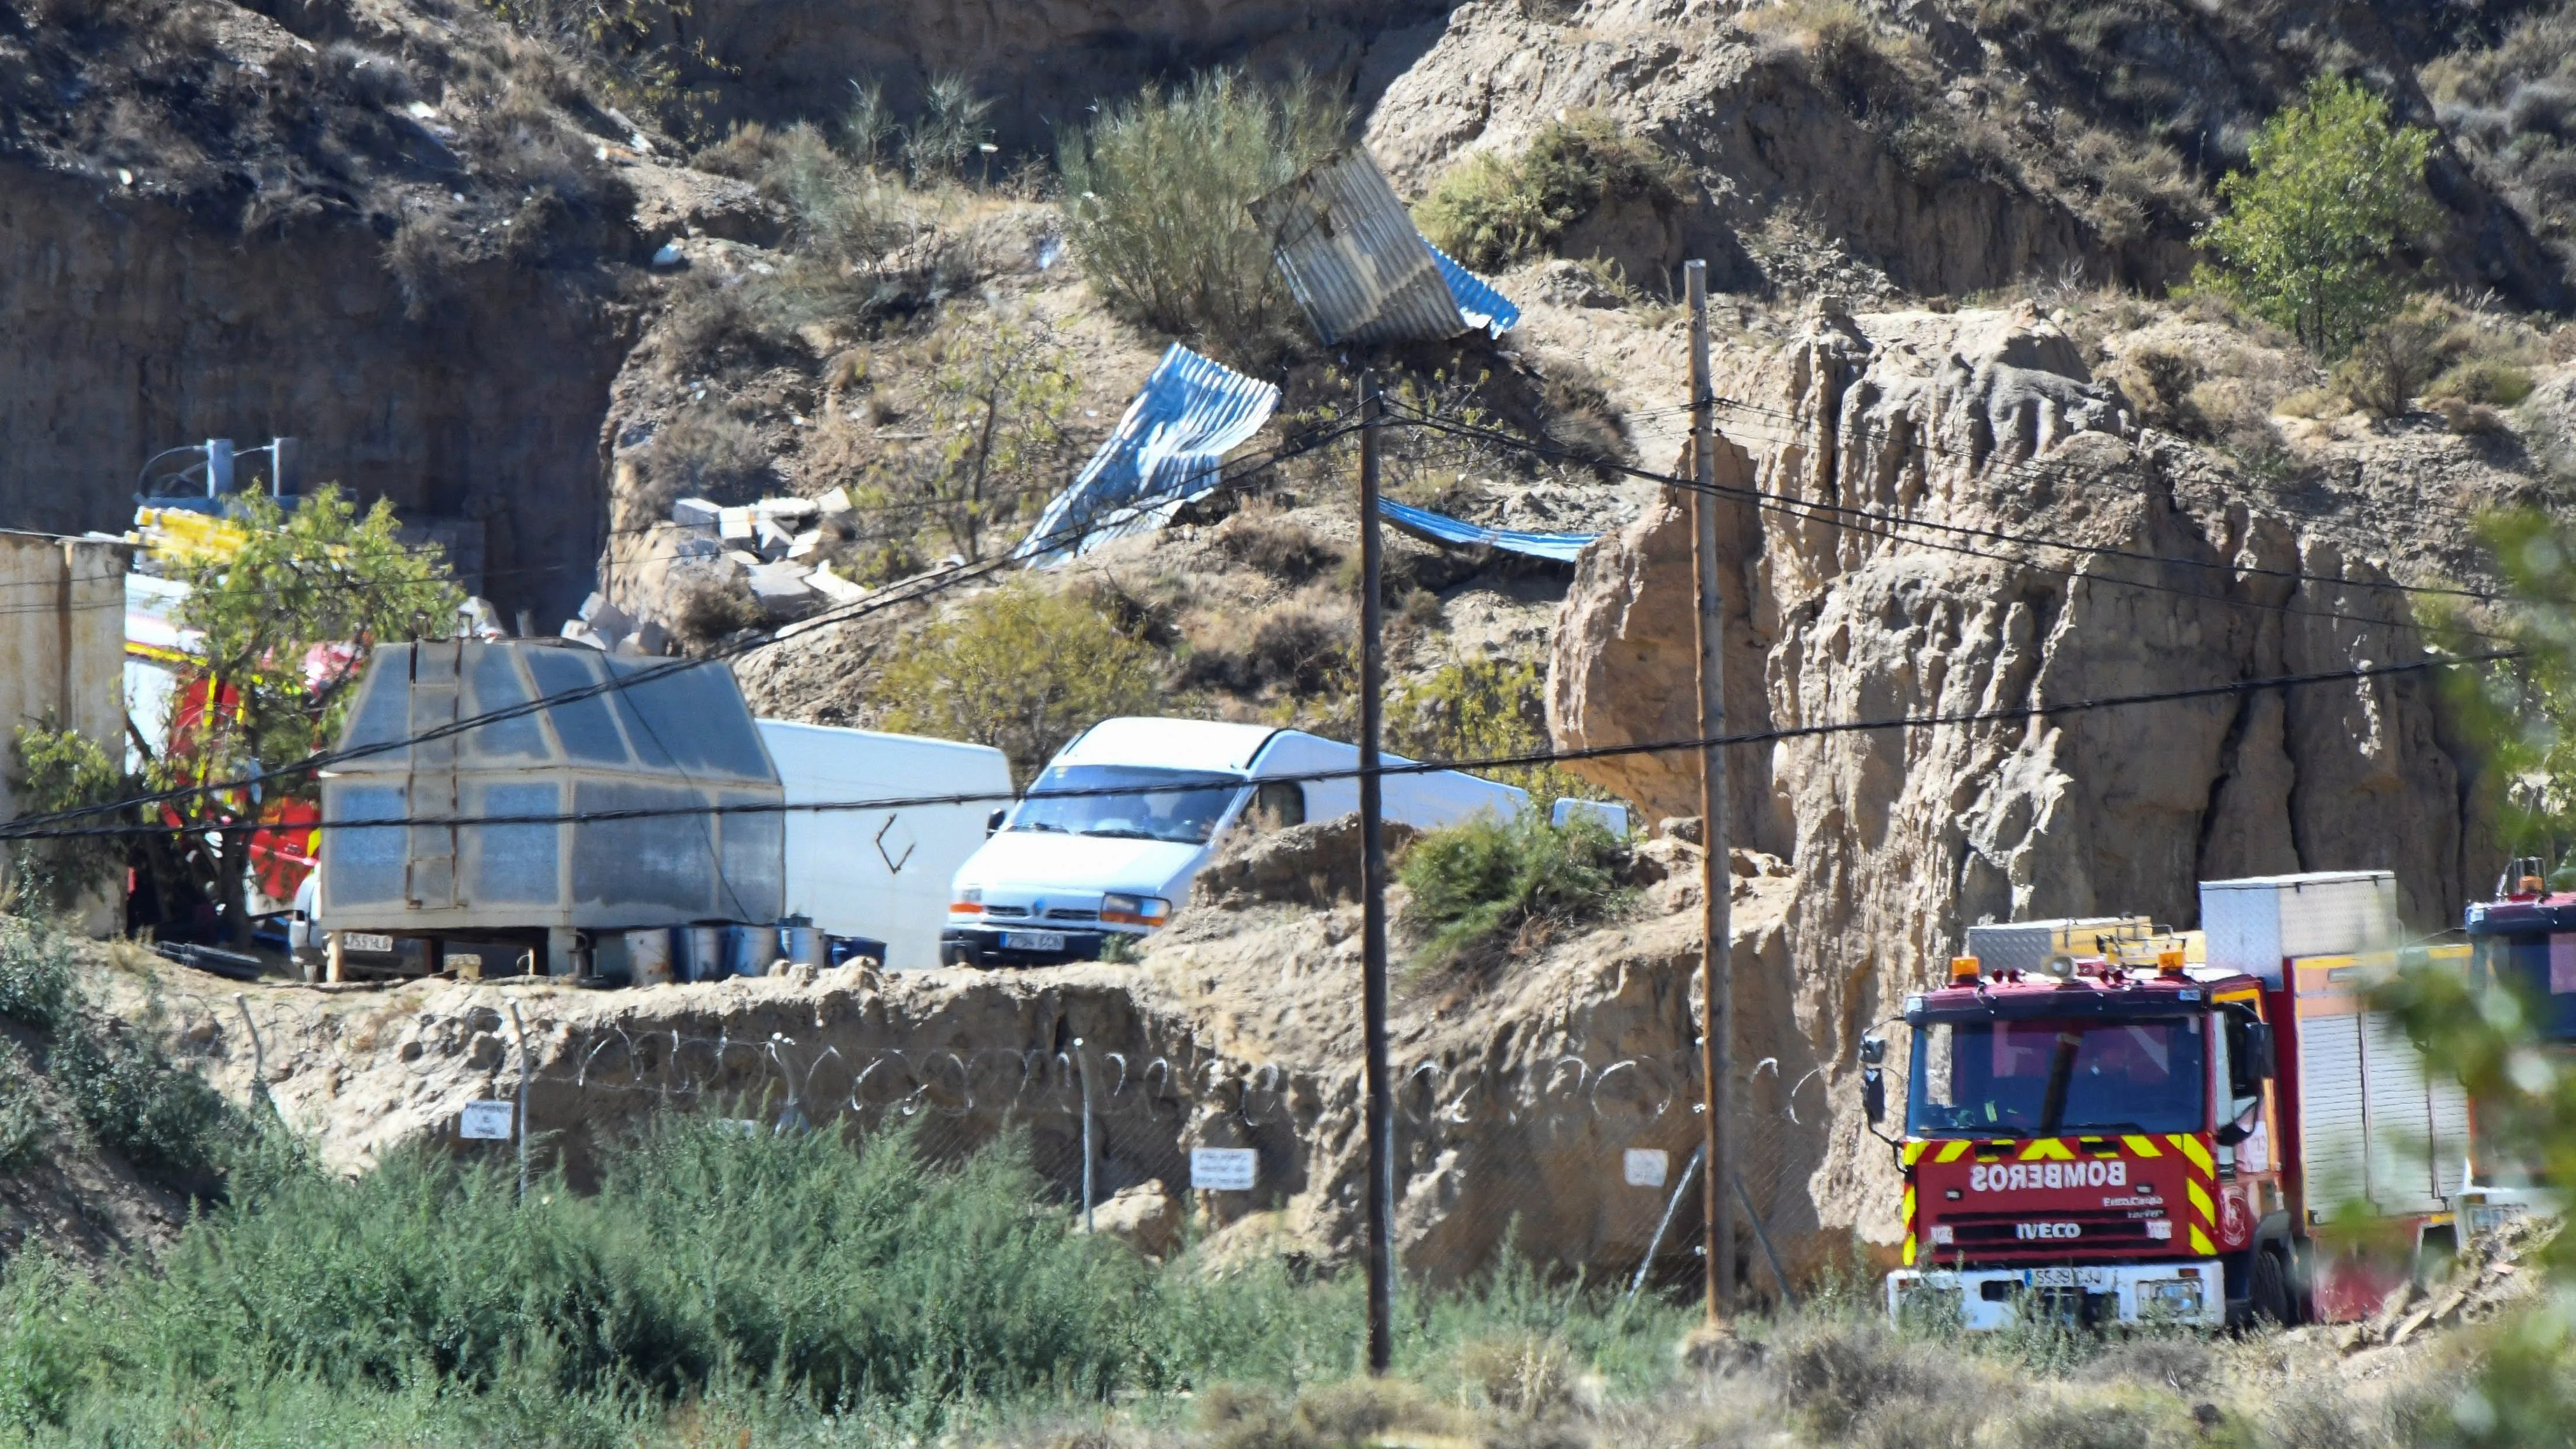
<point x="2066" y="1277"/>
<point x="1033" y="940"/>
<point x="366" y="941"/>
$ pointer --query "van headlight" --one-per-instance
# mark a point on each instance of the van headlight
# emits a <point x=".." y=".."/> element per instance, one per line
<point x="1135" y="910"/>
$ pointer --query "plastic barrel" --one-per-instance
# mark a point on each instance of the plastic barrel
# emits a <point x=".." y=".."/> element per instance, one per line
<point x="750" y="949"/>
<point x="706" y="953"/>
<point x="808" y="946"/>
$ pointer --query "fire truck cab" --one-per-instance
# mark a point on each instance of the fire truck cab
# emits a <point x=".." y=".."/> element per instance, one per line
<point x="2103" y="1124"/>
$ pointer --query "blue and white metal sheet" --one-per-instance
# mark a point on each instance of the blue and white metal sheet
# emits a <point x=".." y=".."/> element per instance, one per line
<point x="1440" y="528"/>
<point x="1165" y="451"/>
<point x="1359" y="267"/>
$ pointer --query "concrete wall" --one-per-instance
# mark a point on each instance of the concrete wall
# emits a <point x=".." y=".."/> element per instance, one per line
<point x="62" y="658"/>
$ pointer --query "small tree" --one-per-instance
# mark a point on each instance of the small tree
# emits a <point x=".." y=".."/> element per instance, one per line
<point x="992" y="441"/>
<point x="1156" y="192"/>
<point x="1020" y="670"/>
<point x="286" y="621"/>
<point x="2312" y="230"/>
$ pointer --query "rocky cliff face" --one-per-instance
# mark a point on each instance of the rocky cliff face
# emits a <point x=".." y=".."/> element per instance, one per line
<point x="1899" y="838"/>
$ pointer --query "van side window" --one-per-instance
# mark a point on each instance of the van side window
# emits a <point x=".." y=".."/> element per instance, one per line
<point x="1279" y="804"/>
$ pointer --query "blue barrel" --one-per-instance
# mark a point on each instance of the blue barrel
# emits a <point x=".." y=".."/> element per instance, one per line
<point x="750" y="949"/>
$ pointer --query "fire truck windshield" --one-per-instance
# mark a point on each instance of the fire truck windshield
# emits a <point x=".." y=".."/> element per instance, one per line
<point x="1989" y="1077"/>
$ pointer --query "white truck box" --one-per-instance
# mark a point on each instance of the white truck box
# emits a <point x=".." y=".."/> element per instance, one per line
<point x="881" y="873"/>
<point x="2255" y="924"/>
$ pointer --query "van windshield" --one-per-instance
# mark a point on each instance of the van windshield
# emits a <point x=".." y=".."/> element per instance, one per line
<point x="1128" y="802"/>
<point x="1991" y="1078"/>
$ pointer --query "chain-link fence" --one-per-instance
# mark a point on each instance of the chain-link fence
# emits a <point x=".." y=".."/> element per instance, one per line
<point x="1579" y="1162"/>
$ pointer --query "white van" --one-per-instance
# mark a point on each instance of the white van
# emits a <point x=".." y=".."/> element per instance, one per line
<point x="882" y="874"/>
<point x="1059" y="875"/>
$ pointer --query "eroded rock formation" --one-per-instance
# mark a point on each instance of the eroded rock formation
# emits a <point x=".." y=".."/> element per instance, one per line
<point x="1902" y="462"/>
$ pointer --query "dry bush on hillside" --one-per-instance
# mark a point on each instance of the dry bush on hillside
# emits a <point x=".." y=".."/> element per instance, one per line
<point x="707" y="453"/>
<point x="706" y="606"/>
<point x="1300" y="650"/>
<point x="1277" y="547"/>
<point x="424" y="257"/>
<point x="1488" y="213"/>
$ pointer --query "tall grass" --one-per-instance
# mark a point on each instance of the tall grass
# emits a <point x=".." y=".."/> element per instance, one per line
<point x="797" y="1277"/>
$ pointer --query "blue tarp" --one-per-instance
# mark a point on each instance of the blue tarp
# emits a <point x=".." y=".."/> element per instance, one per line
<point x="1165" y="452"/>
<point x="1440" y="528"/>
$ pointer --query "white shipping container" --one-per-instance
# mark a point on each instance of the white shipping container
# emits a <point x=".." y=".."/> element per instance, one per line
<point x="2255" y="924"/>
<point x="884" y="873"/>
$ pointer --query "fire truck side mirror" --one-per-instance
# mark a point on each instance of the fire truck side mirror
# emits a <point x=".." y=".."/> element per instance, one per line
<point x="1873" y="1095"/>
<point x="2258" y="1048"/>
<point x="1873" y="1050"/>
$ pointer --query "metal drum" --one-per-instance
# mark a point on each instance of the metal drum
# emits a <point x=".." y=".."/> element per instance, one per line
<point x="808" y="946"/>
<point x="750" y="949"/>
<point x="706" y="953"/>
<point x="648" y="957"/>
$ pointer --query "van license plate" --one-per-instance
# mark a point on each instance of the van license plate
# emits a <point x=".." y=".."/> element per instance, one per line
<point x="366" y="941"/>
<point x="1033" y="940"/>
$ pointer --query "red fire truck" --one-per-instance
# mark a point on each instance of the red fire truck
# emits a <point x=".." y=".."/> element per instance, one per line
<point x="2104" y="1123"/>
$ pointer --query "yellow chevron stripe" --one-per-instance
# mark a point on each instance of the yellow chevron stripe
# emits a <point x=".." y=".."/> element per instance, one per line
<point x="1953" y="1151"/>
<point x="2192" y="1148"/>
<point x="2200" y="1242"/>
<point x="1909" y="1247"/>
<point x="1912" y="1152"/>
<point x="2142" y="1146"/>
<point x="2047" y="1149"/>
<point x="1905" y="1209"/>
<point x="2199" y="1198"/>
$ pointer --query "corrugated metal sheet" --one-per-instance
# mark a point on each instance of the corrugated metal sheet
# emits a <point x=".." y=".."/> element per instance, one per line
<point x="1477" y="301"/>
<point x="1165" y="452"/>
<point x="1357" y="265"/>
<point x="1440" y="528"/>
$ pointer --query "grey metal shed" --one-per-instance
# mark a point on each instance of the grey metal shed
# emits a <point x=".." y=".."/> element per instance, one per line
<point x="683" y="740"/>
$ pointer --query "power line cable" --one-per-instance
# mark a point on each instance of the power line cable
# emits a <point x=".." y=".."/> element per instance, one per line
<point x="2017" y="715"/>
<point x="922" y="587"/>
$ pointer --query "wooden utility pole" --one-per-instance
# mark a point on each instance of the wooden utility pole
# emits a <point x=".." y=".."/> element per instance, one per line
<point x="1716" y="960"/>
<point x="1381" y="1119"/>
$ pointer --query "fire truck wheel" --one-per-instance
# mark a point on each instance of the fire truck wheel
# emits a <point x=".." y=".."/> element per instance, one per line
<point x="2268" y="1289"/>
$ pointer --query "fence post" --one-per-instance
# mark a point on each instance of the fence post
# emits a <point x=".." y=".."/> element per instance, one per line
<point x="1082" y="1074"/>
<point x="521" y="1032"/>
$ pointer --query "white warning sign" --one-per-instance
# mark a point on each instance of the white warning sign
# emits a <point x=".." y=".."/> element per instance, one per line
<point x="1647" y="1166"/>
<point x="489" y="1121"/>
<point x="1223" y="1169"/>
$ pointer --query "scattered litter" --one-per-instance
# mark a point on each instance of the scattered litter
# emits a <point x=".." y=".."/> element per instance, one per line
<point x="420" y="110"/>
<point x="1359" y="267"/>
<point x="668" y="257"/>
<point x="733" y="523"/>
<point x="834" y="587"/>
<point x="1164" y="452"/>
<point x="1449" y="532"/>
<point x="694" y="512"/>
<point x="124" y="177"/>
<point x="1050" y="251"/>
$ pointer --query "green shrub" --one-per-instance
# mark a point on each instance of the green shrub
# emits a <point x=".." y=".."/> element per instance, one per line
<point x="2488" y="380"/>
<point x="23" y="1125"/>
<point x="950" y="128"/>
<point x="1489" y="213"/>
<point x="2313" y="230"/>
<point x="35" y="975"/>
<point x="1483" y="709"/>
<point x="132" y="1097"/>
<point x="1488" y="886"/>
<point x="1156" y="196"/>
<point x="1019" y="669"/>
